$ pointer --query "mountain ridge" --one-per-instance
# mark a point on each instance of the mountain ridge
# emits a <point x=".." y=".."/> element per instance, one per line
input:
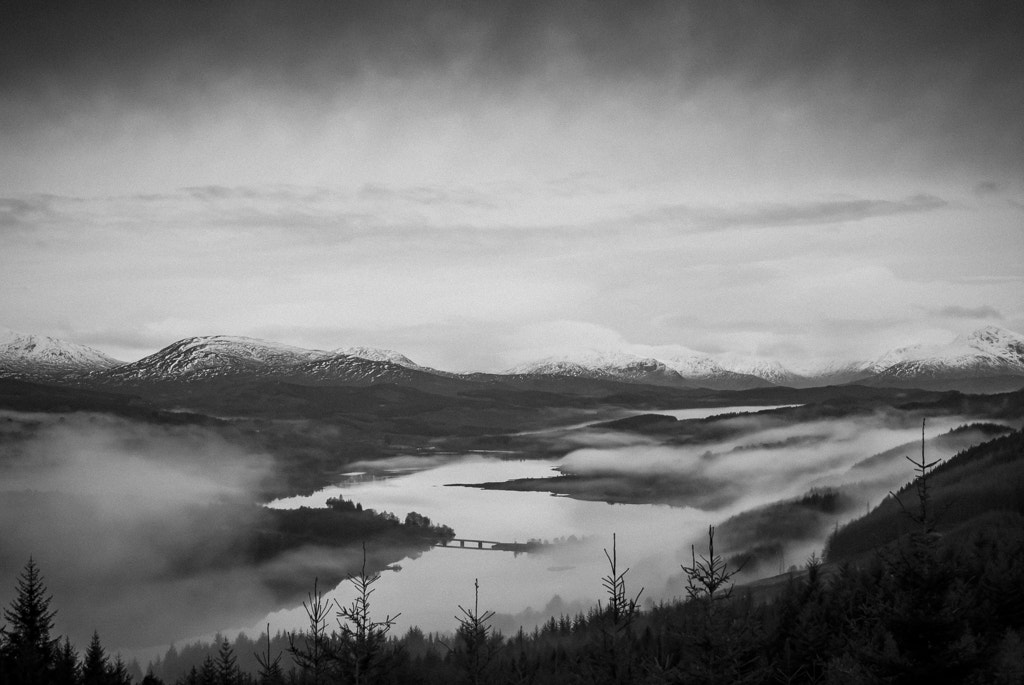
<point x="989" y="359"/>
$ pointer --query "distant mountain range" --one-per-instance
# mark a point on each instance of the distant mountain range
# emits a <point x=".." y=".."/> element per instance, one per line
<point x="990" y="359"/>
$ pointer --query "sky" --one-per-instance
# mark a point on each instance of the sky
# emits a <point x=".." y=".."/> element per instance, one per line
<point x="478" y="185"/>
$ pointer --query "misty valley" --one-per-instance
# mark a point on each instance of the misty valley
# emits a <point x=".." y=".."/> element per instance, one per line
<point x="170" y="513"/>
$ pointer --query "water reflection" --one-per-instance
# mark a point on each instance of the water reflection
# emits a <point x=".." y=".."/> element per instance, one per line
<point x="429" y="588"/>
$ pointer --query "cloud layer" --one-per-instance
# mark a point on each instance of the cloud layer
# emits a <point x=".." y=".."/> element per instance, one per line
<point x="818" y="179"/>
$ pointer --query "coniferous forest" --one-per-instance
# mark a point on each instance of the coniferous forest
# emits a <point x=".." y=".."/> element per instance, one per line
<point x="940" y="599"/>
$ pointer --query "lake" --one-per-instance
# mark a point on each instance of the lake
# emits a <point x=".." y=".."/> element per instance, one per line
<point x="653" y="540"/>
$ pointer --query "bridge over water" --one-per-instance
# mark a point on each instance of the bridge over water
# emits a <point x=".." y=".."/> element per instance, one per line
<point x="490" y="545"/>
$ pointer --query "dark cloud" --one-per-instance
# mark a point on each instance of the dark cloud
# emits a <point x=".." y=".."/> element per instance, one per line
<point x="983" y="312"/>
<point x="957" y="63"/>
<point x="313" y="40"/>
<point x="829" y="212"/>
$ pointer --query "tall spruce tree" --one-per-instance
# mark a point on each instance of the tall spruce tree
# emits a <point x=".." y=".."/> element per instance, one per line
<point x="227" y="665"/>
<point x="95" y="667"/>
<point x="27" y="651"/>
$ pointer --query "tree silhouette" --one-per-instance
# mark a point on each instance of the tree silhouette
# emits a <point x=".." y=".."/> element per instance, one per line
<point x="270" y="672"/>
<point x="28" y="652"/>
<point x="709" y="574"/>
<point x="315" y="656"/>
<point x="363" y="641"/>
<point x="66" y="668"/>
<point x="621" y="608"/>
<point x="923" y="516"/>
<point x="118" y="674"/>
<point x="94" y="665"/>
<point x="227" y="665"/>
<point x="477" y="643"/>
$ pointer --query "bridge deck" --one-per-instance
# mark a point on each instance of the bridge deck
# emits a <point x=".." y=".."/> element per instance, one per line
<point x="488" y="545"/>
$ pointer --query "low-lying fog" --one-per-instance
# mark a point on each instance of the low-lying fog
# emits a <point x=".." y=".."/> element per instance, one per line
<point x="129" y="524"/>
<point x="120" y="517"/>
<point x="768" y="463"/>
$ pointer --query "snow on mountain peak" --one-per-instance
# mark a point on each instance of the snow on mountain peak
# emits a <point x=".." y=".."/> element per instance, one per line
<point x="375" y="354"/>
<point x="218" y="355"/>
<point x="581" y="361"/>
<point x="993" y="340"/>
<point x="767" y="369"/>
<point x="24" y="354"/>
<point x="987" y="351"/>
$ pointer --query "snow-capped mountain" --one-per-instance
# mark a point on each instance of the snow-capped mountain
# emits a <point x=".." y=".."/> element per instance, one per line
<point x="357" y="370"/>
<point x="765" y="369"/>
<point x="223" y="357"/>
<point x="681" y="371"/>
<point x="41" y="357"/>
<point x="620" y="366"/>
<point x="375" y="354"/>
<point x="217" y="356"/>
<point x="706" y="371"/>
<point x="990" y="357"/>
<point x="232" y="357"/>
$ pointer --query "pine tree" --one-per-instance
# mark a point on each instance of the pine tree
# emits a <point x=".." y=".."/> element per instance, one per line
<point x="208" y="673"/>
<point x="227" y="665"/>
<point x="721" y="639"/>
<point x="316" y="655"/>
<point x="66" y="668"/>
<point x="94" y="666"/>
<point x="26" y="649"/>
<point x="363" y="650"/>
<point x="118" y="674"/>
<point x="612" y="655"/>
<point x="270" y="672"/>
<point x="477" y="643"/>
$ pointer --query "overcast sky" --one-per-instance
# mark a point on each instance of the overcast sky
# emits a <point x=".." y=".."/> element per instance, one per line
<point x="477" y="185"/>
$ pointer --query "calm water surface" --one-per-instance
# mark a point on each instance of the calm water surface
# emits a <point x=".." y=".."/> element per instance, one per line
<point x="652" y="539"/>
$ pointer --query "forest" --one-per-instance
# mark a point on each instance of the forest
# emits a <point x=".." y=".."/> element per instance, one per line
<point x="938" y="598"/>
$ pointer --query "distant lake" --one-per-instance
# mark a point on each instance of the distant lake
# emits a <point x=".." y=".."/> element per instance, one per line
<point x="705" y="412"/>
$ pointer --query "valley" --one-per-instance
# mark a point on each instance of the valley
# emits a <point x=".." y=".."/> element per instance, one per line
<point x="220" y="485"/>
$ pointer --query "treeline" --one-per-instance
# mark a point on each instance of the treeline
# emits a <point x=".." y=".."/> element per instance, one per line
<point x="922" y="611"/>
<point x="939" y="603"/>
<point x="30" y="656"/>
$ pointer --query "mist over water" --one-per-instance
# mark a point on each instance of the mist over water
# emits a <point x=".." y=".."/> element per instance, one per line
<point x="131" y="522"/>
<point x="769" y="463"/>
<point x="120" y="515"/>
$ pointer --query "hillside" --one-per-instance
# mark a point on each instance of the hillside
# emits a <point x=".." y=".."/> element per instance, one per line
<point x="967" y="492"/>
